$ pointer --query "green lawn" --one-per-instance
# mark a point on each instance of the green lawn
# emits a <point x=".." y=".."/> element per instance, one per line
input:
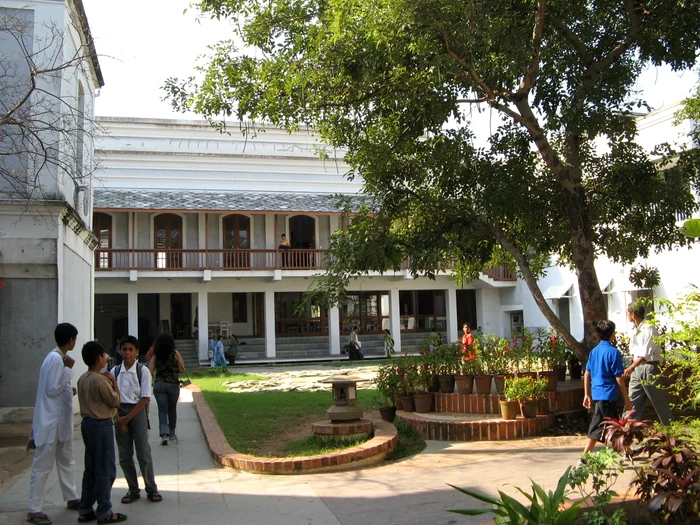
<point x="248" y="418"/>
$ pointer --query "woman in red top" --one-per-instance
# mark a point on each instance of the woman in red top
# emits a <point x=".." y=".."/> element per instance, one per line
<point x="467" y="343"/>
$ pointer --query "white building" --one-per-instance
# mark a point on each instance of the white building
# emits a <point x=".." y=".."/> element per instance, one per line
<point x="189" y="222"/>
<point x="46" y="243"/>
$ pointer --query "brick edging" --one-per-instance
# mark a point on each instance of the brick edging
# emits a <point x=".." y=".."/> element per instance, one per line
<point x="384" y="441"/>
<point x="484" y="430"/>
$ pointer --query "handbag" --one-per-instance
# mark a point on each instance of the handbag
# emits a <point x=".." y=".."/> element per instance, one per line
<point x="185" y="382"/>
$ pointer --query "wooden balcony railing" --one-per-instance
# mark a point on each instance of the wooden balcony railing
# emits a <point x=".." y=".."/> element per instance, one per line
<point x="228" y="260"/>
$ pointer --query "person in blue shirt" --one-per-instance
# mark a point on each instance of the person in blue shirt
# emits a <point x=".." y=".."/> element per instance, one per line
<point x="603" y="383"/>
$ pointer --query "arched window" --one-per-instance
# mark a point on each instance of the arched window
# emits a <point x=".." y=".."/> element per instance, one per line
<point x="236" y="238"/>
<point x="102" y="227"/>
<point x="168" y="236"/>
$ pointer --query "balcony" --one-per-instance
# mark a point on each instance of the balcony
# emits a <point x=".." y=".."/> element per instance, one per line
<point x="229" y="260"/>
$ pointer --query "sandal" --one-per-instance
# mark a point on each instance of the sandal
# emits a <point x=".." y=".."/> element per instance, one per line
<point x="154" y="497"/>
<point x="84" y="518"/>
<point x="39" y="519"/>
<point x="130" y="497"/>
<point x="73" y="504"/>
<point x="115" y="517"/>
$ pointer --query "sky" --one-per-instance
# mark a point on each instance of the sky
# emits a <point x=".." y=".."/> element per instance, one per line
<point x="142" y="43"/>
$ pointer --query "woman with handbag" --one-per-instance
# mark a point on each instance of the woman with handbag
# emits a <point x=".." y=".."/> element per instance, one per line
<point x="165" y="366"/>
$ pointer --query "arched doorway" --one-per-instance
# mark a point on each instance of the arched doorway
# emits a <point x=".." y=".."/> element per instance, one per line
<point x="236" y="239"/>
<point x="168" y="236"/>
<point x="302" y="230"/>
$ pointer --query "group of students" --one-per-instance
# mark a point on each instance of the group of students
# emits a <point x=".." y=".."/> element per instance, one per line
<point x="117" y="399"/>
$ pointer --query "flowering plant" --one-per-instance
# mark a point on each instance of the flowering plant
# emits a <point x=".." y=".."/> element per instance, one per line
<point x="408" y="375"/>
<point x="496" y="354"/>
<point x="524" y="341"/>
<point x="551" y="349"/>
<point x="387" y="382"/>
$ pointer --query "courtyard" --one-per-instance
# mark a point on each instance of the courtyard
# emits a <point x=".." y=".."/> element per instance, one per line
<point x="411" y="491"/>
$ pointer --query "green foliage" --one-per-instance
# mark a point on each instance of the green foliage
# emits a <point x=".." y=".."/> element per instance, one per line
<point x="387" y="382"/>
<point x="545" y="508"/>
<point x="679" y="327"/>
<point x="602" y="469"/>
<point x="410" y="442"/>
<point x="313" y="445"/>
<point x="644" y="276"/>
<point x="520" y="389"/>
<point x="393" y="83"/>
<point x="247" y="419"/>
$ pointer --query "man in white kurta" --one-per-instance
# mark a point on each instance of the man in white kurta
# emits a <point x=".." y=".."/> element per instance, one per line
<point x="52" y="428"/>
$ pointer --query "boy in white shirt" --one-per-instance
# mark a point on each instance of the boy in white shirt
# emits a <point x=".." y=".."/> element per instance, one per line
<point x="134" y="381"/>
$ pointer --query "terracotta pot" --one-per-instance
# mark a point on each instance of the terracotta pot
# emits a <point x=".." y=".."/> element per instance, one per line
<point x="483" y="384"/>
<point x="575" y="370"/>
<point x="465" y="384"/>
<point x="423" y="401"/>
<point x="398" y="403"/>
<point x="529" y="408"/>
<point x="561" y="372"/>
<point x="447" y="383"/>
<point x="500" y="380"/>
<point x="552" y="379"/>
<point x="533" y="375"/>
<point x="435" y="386"/>
<point x="509" y="409"/>
<point x="408" y="404"/>
<point x="387" y="413"/>
<point x="543" y="406"/>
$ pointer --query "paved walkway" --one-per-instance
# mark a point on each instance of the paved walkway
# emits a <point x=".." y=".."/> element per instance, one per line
<point x="411" y="492"/>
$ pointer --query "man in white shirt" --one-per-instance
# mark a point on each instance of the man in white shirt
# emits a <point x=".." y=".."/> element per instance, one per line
<point x="644" y="369"/>
<point x="52" y="427"/>
<point x="131" y="427"/>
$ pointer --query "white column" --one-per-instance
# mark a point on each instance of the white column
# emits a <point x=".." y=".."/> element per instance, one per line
<point x="334" y="330"/>
<point x="334" y="224"/>
<point x="270" y="241"/>
<point x="395" y="318"/>
<point x="270" y="342"/>
<point x="133" y="312"/>
<point x="203" y="325"/>
<point x="452" y="321"/>
<point x="202" y="230"/>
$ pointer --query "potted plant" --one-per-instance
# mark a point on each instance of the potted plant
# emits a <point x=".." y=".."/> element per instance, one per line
<point x="527" y="358"/>
<point x="423" y="398"/>
<point x="522" y="390"/>
<point x="447" y="363"/>
<point x="387" y="384"/>
<point x="408" y="382"/>
<point x="464" y="379"/>
<point x="575" y="366"/>
<point x="498" y="350"/>
<point x="541" y="389"/>
<point x="552" y="352"/>
<point x="482" y="379"/>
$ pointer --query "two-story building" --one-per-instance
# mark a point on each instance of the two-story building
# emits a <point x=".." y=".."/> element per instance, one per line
<point x="190" y="221"/>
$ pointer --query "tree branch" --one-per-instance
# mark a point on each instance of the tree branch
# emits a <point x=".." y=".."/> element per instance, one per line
<point x="541" y="302"/>
<point x="531" y="74"/>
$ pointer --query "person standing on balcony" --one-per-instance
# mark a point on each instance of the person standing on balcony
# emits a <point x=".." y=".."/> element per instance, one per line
<point x="644" y="369"/>
<point x="284" y="245"/>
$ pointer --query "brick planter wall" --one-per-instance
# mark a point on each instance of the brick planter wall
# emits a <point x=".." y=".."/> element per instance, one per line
<point x="560" y="401"/>
<point x="384" y="441"/>
<point x="484" y="430"/>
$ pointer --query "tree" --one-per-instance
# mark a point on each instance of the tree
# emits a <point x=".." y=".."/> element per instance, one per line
<point x="43" y="127"/>
<point x="395" y="82"/>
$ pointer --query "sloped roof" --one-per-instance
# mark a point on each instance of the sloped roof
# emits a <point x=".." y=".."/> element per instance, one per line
<point x="118" y="199"/>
